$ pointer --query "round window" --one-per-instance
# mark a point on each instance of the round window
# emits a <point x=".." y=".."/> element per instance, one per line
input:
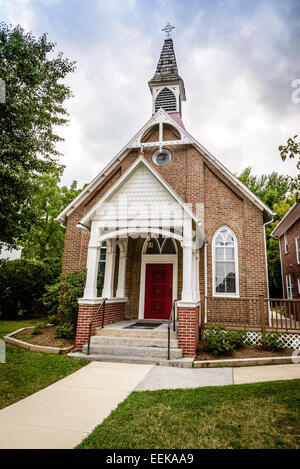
<point x="161" y="157"/>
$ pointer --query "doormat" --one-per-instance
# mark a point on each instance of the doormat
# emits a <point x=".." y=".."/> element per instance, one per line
<point x="143" y="325"/>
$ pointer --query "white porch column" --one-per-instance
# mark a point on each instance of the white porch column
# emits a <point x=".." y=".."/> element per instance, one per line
<point x="108" y="286"/>
<point x="196" y="288"/>
<point x="187" y="247"/>
<point x="90" y="290"/>
<point x="120" y="293"/>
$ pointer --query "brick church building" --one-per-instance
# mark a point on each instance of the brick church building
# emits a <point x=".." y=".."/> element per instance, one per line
<point x="163" y="221"/>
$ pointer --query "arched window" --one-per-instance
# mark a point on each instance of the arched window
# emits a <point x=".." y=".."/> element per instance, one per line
<point x="225" y="263"/>
<point x="159" y="245"/>
<point x="166" y="99"/>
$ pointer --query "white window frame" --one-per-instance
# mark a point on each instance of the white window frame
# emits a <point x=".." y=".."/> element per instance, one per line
<point x="286" y="243"/>
<point x="236" y="261"/>
<point x="297" y="243"/>
<point x="289" y="287"/>
<point x="298" y="280"/>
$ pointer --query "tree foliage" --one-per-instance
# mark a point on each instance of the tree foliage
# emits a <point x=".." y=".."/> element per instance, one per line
<point x="22" y="284"/>
<point x="275" y="191"/>
<point x="61" y="298"/>
<point x="35" y="95"/>
<point x="270" y="188"/>
<point x="45" y="239"/>
<point x="292" y="150"/>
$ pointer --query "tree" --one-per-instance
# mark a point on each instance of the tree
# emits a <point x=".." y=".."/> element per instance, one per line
<point x="275" y="191"/>
<point x="35" y="95"/>
<point x="22" y="284"/>
<point x="44" y="240"/>
<point x="292" y="150"/>
<point x="270" y="188"/>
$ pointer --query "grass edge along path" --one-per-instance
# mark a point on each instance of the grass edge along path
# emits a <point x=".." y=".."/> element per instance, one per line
<point x="25" y="373"/>
<point x="260" y="415"/>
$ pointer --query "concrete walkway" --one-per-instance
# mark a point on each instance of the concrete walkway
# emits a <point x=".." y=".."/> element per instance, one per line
<point x="61" y="415"/>
<point x="256" y="374"/>
<point x="173" y="378"/>
<point x="164" y="377"/>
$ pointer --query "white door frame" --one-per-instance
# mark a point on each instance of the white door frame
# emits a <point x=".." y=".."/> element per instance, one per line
<point x="156" y="259"/>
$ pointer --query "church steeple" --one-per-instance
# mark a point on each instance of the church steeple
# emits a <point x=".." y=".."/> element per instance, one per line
<point x="167" y="86"/>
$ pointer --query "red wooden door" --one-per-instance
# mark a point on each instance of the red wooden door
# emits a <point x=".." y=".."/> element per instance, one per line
<point x="158" y="291"/>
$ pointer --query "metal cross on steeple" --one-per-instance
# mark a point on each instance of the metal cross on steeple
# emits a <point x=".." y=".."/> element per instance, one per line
<point x="168" y="28"/>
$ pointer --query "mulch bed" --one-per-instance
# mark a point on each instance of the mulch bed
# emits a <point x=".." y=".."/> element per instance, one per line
<point x="247" y="351"/>
<point x="45" y="338"/>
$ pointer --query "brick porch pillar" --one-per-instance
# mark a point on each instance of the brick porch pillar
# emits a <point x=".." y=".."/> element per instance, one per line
<point x="188" y="328"/>
<point x="114" y="312"/>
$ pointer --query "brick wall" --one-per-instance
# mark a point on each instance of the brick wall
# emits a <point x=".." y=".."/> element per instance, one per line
<point x="188" y="330"/>
<point x="236" y="312"/>
<point x="197" y="182"/>
<point x="290" y="258"/>
<point x="113" y="312"/>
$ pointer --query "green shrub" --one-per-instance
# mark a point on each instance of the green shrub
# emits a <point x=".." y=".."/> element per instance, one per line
<point x="219" y="340"/>
<point x="64" y="332"/>
<point x="38" y="328"/>
<point x="62" y="298"/>
<point x="22" y="284"/>
<point x="52" y="319"/>
<point x="271" y="341"/>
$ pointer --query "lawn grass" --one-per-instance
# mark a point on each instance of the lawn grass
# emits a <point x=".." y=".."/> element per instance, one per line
<point x="6" y="327"/>
<point x="25" y="372"/>
<point x="262" y="415"/>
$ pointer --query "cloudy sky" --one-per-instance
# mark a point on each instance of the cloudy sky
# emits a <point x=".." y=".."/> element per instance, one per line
<point x="238" y="59"/>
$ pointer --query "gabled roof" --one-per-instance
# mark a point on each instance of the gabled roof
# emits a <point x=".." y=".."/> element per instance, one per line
<point x="162" y="116"/>
<point x="114" y="188"/>
<point x="291" y="217"/>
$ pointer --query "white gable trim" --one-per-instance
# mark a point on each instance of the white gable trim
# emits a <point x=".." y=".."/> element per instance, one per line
<point x="139" y="161"/>
<point x="160" y="116"/>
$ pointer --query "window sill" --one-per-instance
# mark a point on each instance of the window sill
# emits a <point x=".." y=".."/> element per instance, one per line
<point x="224" y="295"/>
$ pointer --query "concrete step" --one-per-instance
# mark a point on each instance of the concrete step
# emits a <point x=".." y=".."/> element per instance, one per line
<point x="152" y="333"/>
<point x="133" y="341"/>
<point x="129" y="351"/>
<point x="179" y="362"/>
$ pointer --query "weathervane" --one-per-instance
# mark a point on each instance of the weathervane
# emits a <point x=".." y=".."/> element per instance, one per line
<point x="168" y="28"/>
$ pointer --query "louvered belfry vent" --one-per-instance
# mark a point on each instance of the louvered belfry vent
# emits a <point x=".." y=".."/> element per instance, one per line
<point x="166" y="99"/>
<point x="166" y="86"/>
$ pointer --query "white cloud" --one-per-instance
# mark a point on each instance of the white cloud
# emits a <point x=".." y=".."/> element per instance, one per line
<point x="237" y="71"/>
<point x="19" y="12"/>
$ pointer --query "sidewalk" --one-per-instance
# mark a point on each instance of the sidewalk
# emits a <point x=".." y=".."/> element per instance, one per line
<point x="174" y="378"/>
<point x="61" y="415"/>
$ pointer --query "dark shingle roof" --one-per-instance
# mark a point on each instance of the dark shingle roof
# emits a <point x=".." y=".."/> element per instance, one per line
<point x="167" y="67"/>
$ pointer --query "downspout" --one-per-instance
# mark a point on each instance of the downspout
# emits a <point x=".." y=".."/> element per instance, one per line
<point x="266" y="261"/>
<point x="205" y="280"/>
